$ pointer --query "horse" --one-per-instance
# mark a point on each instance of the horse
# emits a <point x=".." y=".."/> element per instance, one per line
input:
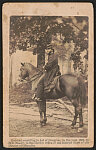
<point x="69" y="85"/>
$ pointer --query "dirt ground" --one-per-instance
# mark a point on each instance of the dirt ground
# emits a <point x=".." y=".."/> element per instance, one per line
<point x="24" y="121"/>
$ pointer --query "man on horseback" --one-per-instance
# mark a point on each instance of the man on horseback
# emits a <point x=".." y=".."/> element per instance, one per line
<point x="51" y="71"/>
<point x="69" y="85"/>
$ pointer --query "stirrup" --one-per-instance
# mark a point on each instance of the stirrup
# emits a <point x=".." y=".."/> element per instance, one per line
<point x="38" y="99"/>
<point x="34" y="96"/>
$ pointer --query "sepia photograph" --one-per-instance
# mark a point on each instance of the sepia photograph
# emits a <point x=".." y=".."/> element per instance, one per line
<point x="48" y="62"/>
<point x="49" y="59"/>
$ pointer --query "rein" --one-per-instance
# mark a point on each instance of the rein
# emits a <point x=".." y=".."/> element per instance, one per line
<point x="35" y="76"/>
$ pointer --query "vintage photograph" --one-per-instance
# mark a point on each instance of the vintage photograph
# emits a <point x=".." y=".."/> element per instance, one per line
<point x="48" y="80"/>
<point x="48" y="65"/>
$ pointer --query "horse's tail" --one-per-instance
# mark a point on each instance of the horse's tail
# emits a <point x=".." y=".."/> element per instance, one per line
<point x="82" y="91"/>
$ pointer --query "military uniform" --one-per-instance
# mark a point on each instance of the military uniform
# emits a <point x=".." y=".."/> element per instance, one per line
<point x="52" y="70"/>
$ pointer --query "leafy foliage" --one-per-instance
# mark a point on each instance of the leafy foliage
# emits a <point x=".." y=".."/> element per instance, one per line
<point x="38" y="32"/>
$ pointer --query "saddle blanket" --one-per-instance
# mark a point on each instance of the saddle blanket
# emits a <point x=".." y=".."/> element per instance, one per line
<point x="52" y="84"/>
<point x="49" y="87"/>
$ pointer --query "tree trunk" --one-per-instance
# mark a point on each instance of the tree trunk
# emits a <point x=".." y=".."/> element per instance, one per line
<point x="69" y="66"/>
<point x="40" y="60"/>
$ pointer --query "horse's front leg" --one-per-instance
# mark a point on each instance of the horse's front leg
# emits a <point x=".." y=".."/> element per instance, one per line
<point x="45" y="118"/>
<point x="39" y="103"/>
<point x="41" y="118"/>
<point x="75" y="117"/>
<point x="44" y="111"/>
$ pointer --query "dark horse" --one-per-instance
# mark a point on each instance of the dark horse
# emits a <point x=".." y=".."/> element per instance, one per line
<point x="66" y="85"/>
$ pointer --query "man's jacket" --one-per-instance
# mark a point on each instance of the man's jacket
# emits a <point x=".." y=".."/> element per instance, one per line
<point x="51" y="68"/>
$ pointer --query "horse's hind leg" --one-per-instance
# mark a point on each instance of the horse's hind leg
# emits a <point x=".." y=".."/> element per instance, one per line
<point x="75" y="117"/>
<point x="79" y="112"/>
<point x="80" y="118"/>
<point x="44" y="111"/>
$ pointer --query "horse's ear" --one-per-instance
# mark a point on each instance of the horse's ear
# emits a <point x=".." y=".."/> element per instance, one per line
<point x="22" y="64"/>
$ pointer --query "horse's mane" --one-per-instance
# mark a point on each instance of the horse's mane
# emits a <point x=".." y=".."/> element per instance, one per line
<point x="32" y="70"/>
<point x="30" y="66"/>
<point x="71" y="74"/>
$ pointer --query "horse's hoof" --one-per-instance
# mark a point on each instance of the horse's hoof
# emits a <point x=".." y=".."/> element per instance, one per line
<point x="45" y="120"/>
<point x="41" y="125"/>
<point x="72" y="127"/>
<point x="73" y="124"/>
<point x="44" y="123"/>
<point x="80" y="130"/>
<point x="81" y="125"/>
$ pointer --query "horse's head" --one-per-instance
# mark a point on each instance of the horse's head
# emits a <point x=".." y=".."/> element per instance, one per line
<point x="27" y="71"/>
<point x="23" y="71"/>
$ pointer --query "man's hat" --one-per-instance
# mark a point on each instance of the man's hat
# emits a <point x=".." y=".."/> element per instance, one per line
<point x="49" y="46"/>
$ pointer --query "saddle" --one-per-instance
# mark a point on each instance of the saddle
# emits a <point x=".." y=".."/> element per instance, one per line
<point x="52" y="85"/>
